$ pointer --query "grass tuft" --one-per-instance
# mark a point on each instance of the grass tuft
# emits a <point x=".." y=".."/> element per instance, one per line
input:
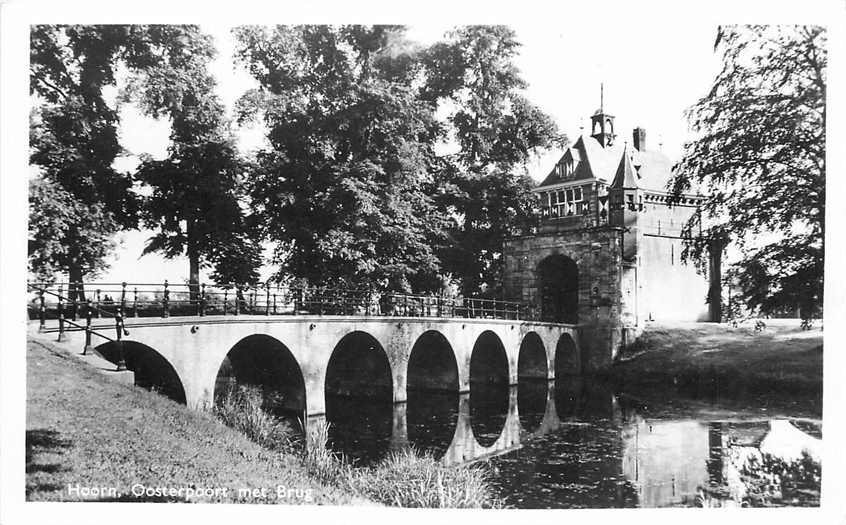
<point x="410" y="479"/>
<point x="404" y="478"/>
<point x="241" y="409"/>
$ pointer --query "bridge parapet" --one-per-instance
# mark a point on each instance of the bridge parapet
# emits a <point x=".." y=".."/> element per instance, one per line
<point x="51" y="300"/>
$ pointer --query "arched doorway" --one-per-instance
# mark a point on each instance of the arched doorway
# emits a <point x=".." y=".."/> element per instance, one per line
<point x="152" y="370"/>
<point x="558" y="286"/>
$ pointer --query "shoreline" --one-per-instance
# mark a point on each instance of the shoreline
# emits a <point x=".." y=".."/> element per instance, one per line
<point x="777" y="364"/>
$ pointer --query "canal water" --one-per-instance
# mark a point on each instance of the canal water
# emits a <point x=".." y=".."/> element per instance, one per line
<point x="577" y="444"/>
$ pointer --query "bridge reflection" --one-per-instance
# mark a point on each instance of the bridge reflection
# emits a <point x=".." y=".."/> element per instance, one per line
<point x="456" y="428"/>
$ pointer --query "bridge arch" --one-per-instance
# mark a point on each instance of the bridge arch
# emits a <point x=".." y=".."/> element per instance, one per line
<point x="432" y="364"/>
<point x="488" y="360"/>
<point x="263" y="363"/>
<point x="532" y="384"/>
<point x="359" y="397"/>
<point x="532" y="360"/>
<point x="432" y="399"/>
<point x="567" y="359"/>
<point x="152" y="370"/>
<point x="359" y="367"/>
<point x="489" y="379"/>
<point x="558" y="286"/>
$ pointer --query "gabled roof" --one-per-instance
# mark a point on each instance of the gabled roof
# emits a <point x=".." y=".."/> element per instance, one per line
<point x="648" y="169"/>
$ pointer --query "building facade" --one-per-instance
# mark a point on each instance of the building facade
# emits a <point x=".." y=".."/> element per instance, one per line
<point x="607" y="252"/>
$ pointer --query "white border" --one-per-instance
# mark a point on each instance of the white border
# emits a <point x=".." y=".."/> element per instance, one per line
<point x="15" y="17"/>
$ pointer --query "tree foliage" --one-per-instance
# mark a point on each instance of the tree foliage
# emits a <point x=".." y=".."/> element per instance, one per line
<point x="197" y="201"/>
<point x="58" y="223"/>
<point x="74" y="140"/>
<point x="345" y="188"/>
<point x="496" y="129"/>
<point x="760" y="160"/>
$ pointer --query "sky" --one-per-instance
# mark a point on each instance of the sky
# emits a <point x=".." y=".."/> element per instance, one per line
<point x="651" y="73"/>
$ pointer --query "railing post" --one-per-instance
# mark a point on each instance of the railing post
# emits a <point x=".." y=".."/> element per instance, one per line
<point x="42" y="310"/>
<point x="274" y="299"/>
<point x="203" y="300"/>
<point x="267" y="298"/>
<point x="123" y="296"/>
<point x="166" y="301"/>
<point x="88" y="314"/>
<point x="119" y="328"/>
<point x="61" y="317"/>
<point x="97" y="296"/>
<point x="237" y="300"/>
<point x="135" y="302"/>
<point x="252" y="301"/>
<point x="225" y="299"/>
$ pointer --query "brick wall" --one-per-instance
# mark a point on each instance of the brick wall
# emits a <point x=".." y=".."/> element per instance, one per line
<point x="597" y="254"/>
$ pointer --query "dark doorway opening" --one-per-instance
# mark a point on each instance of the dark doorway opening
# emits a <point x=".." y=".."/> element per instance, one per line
<point x="558" y="285"/>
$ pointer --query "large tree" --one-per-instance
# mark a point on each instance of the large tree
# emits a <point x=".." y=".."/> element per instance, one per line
<point x="760" y="160"/>
<point x="345" y="187"/>
<point x="496" y="129"/>
<point x="74" y="137"/>
<point x="197" y="203"/>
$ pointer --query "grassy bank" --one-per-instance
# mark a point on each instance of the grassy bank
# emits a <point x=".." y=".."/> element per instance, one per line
<point x="84" y="429"/>
<point x="706" y="357"/>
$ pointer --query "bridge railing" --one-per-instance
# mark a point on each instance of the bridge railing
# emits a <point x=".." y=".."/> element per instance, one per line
<point x="110" y="300"/>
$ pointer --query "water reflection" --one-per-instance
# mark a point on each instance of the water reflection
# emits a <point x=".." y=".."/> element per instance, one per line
<point x="431" y="420"/>
<point x="488" y="411"/>
<point x="715" y="463"/>
<point x="531" y="402"/>
<point x="360" y="428"/>
<point x="574" y="444"/>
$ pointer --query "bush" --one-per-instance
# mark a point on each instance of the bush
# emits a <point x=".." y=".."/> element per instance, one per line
<point x="241" y="408"/>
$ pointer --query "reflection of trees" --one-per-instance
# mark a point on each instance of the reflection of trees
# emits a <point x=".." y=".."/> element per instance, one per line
<point x="768" y="481"/>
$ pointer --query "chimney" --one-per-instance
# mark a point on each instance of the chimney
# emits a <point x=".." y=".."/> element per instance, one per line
<point x="639" y="135"/>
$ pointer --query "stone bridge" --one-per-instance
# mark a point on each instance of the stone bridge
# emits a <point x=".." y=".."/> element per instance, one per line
<point x="305" y="358"/>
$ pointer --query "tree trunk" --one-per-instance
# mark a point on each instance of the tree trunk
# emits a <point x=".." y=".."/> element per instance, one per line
<point x="76" y="292"/>
<point x="715" y="296"/>
<point x="193" y="265"/>
<point x="75" y="275"/>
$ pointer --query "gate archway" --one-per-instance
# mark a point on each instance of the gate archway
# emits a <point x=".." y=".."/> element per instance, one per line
<point x="558" y="287"/>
